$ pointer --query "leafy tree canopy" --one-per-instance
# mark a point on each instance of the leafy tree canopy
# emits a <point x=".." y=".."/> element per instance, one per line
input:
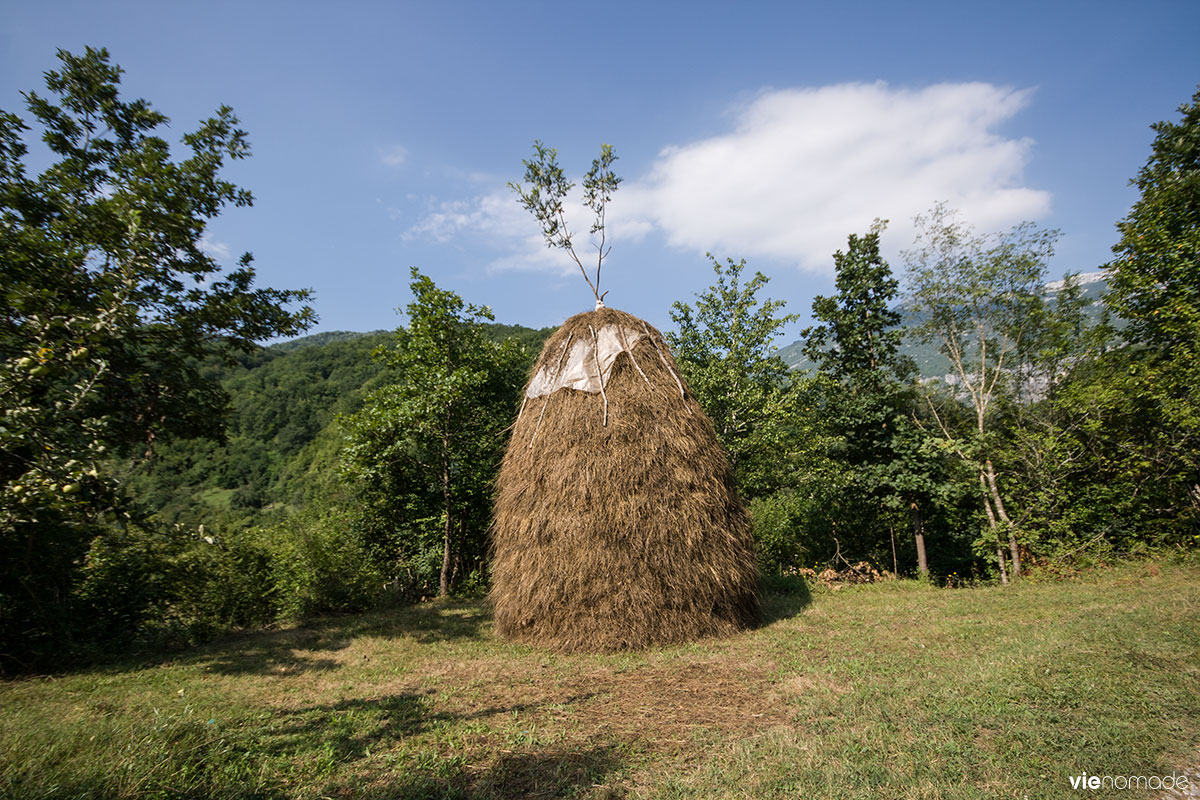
<point x="869" y="401"/>
<point x="1155" y="277"/>
<point x="980" y="299"/>
<point x="426" y="447"/>
<point x="725" y="348"/>
<point x="860" y="336"/>
<point x="108" y="303"/>
<point x="1155" y="284"/>
<point x="108" y="296"/>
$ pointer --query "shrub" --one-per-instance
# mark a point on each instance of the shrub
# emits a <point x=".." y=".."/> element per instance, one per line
<point x="322" y="563"/>
<point x="778" y="524"/>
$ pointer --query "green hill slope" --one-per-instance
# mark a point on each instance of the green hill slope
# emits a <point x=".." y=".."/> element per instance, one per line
<point x="283" y="403"/>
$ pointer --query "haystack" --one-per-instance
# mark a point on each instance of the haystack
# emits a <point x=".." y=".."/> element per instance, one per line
<point x="616" y="522"/>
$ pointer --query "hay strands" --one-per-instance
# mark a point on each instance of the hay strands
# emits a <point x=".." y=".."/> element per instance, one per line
<point x="557" y="372"/>
<point x="667" y="364"/>
<point x="597" y="547"/>
<point x="599" y="372"/>
<point x="629" y="350"/>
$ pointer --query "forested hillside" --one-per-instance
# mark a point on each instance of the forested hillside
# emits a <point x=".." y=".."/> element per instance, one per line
<point x="285" y="399"/>
<point x="280" y="399"/>
<point x="282" y="436"/>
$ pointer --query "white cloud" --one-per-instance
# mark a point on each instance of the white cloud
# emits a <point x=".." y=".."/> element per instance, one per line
<point x="801" y="169"/>
<point x="394" y="156"/>
<point x="494" y="214"/>
<point x="213" y="248"/>
<point x="499" y="217"/>
<point x="804" y="168"/>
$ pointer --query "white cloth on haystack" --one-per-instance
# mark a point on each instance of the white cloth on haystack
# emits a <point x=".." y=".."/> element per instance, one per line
<point x="589" y="363"/>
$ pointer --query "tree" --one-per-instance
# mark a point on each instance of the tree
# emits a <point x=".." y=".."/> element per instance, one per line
<point x="1104" y="439"/>
<point x="978" y="299"/>
<point x="427" y="445"/>
<point x="1154" y="285"/>
<point x="870" y="400"/>
<point x="1154" y="281"/>
<point x="108" y="303"/>
<point x="725" y="350"/>
<point x="860" y="338"/>
<point x="1039" y="428"/>
<point x="1117" y="471"/>
<point x="548" y="188"/>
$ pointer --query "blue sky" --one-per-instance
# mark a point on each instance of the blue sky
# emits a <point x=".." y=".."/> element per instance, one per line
<point x="384" y="133"/>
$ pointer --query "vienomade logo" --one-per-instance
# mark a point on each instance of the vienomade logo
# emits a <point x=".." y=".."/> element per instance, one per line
<point x="1086" y="781"/>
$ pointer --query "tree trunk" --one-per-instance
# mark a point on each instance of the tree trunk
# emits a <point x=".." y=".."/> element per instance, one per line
<point x="919" y="536"/>
<point x="895" y="564"/>
<point x="993" y="526"/>
<point x="1014" y="550"/>
<point x="444" y="581"/>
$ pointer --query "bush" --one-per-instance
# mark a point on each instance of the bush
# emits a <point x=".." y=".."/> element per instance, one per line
<point x="123" y="580"/>
<point x="321" y="563"/>
<point x="179" y="585"/>
<point x="171" y="586"/>
<point x="778" y="524"/>
<point x="158" y="585"/>
<point x="224" y="581"/>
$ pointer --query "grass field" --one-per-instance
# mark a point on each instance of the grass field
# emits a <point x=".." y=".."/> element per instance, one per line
<point x="895" y="690"/>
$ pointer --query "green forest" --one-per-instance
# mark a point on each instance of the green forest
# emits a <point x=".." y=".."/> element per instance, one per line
<point x="166" y="475"/>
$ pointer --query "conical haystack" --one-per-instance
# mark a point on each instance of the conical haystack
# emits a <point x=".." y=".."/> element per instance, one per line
<point x="617" y="524"/>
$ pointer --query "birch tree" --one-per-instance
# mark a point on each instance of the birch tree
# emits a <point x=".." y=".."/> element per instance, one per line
<point x="977" y="298"/>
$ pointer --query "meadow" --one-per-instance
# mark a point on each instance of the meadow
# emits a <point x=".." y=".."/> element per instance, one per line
<point x="898" y="689"/>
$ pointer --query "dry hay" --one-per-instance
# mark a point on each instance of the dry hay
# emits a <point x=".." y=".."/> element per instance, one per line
<point x="616" y="522"/>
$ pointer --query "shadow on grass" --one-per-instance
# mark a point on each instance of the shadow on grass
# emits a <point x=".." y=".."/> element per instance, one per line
<point x="430" y="623"/>
<point x="540" y="775"/>
<point x="348" y="730"/>
<point x="343" y="741"/>
<point x="546" y="774"/>
<point x="783" y="597"/>
<point x="299" y="650"/>
<point x="273" y="652"/>
<point x="351" y="730"/>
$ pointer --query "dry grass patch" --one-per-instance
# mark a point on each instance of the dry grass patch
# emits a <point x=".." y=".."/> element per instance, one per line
<point x="659" y="705"/>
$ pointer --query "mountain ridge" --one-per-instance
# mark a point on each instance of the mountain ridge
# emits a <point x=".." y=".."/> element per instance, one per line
<point x="930" y="362"/>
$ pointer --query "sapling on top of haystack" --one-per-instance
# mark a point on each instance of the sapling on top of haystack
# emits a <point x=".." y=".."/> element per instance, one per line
<point x="548" y="187"/>
<point x="616" y="522"/>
